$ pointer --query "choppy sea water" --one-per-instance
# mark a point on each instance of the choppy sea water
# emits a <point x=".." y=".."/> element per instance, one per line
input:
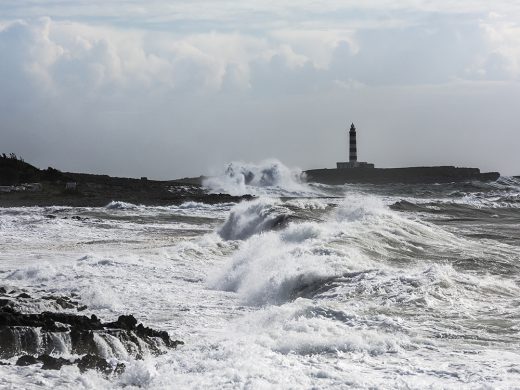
<point x="393" y="286"/>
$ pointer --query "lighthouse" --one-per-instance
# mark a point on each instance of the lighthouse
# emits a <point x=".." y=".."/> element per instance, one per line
<point x="353" y="145"/>
<point x="352" y="153"/>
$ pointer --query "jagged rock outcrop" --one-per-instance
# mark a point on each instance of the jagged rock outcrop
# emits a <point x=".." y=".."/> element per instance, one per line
<point x="35" y="338"/>
<point x="78" y="334"/>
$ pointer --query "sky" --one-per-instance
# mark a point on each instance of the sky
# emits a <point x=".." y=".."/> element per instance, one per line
<point x="168" y="89"/>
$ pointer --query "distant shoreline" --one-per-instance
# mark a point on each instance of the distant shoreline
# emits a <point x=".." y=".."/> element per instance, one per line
<point x="100" y="190"/>
<point x="52" y="187"/>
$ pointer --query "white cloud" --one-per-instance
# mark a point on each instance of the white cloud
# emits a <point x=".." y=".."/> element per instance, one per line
<point x="164" y="76"/>
<point x="316" y="45"/>
<point x="503" y="41"/>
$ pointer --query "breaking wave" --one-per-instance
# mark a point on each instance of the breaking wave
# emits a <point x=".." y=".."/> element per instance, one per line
<point x="361" y="241"/>
<point x="276" y="266"/>
<point x="270" y="177"/>
<point x="249" y="218"/>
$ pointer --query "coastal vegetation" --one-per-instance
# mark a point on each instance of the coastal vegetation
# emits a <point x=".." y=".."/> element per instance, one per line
<point x="14" y="171"/>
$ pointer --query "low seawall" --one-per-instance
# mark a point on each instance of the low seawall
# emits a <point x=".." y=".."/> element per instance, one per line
<point x="413" y="175"/>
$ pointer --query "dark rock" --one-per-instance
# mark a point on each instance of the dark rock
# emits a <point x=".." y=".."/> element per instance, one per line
<point x="4" y="363"/>
<point x="23" y="295"/>
<point x="50" y="326"/>
<point x="5" y="302"/>
<point x="123" y="322"/>
<point x="3" y="290"/>
<point x="82" y="341"/>
<point x="78" y="218"/>
<point x="36" y="333"/>
<point x="120" y="368"/>
<point x="47" y="320"/>
<point x="26" y="360"/>
<point x="8" y="309"/>
<point x="82" y="308"/>
<point x="175" y="343"/>
<point x="52" y="363"/>
<point x="50" y="216"/>
<point x="93" y="362"/>
<point x="14" y="341"/>
<point x="65" y="303"/>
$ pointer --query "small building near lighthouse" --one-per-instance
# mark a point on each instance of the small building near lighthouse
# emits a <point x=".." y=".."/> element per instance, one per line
<point x="352" y="154"/>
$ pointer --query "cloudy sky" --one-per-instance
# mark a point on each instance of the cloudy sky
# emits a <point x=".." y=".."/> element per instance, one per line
<point x="176" y="88"/>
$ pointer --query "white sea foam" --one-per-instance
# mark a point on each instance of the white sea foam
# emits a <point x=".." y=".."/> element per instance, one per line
<point x="120" y="205"/>
<point x="99" y="297"/>
<point x="341" y="294"/>
<point x="307" y="204"/>
<point x="139" y="374"/>
<point x="39" y="273"/>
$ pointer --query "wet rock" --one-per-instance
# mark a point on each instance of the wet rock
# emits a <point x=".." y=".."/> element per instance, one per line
<point x="48" y="333"/>
<point x="129" y="322"/>
<point x="49" y="362"/>
<point x="65" y="303"/>
<point x="23" y="295"/>
<point x="119" y="369"/>
<point x="48" y="320"/>
<point x="82" y="342"/>
<point x="53" y="363"/>
<point x="5" y="302"/>
<point x="16" y="340"/>
<point x="123" y="322"/>
<point x="26" y="360"/>
<point x="78" y="218"/>
<point x="3" y="290"/>
<point x="145" y="332"/>
<point x="94" y="362"/>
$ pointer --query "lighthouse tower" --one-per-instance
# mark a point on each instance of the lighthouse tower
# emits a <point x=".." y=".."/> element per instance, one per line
<point x="353" y="146"/>
<point x="352" y="153"/>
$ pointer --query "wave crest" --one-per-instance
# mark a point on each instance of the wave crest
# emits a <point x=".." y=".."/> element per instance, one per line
<point x="249" y="218"/>
<point x="269" y="177"/>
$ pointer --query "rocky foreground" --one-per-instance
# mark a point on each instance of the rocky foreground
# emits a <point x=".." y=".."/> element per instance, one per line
<point x="87" y="342"/>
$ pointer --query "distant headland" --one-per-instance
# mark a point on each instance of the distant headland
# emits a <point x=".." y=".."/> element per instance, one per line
<point x="22" y="184"/>
<point x="355" y="171"/>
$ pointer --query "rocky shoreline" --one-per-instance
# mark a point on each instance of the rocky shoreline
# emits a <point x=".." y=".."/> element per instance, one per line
<point x="100" y="190"/>
<point x="46" y="337"/>
<point x="23" y="185"/>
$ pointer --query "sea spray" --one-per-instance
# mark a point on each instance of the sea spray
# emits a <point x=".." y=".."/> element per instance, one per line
<point x="274" y="266"/>
<point x="249" y="218"/>
<point x="300" y="259"/>
<point x="269" y="177"/>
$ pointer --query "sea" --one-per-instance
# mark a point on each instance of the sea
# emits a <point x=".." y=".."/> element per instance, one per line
<point x="305" y="286"/>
